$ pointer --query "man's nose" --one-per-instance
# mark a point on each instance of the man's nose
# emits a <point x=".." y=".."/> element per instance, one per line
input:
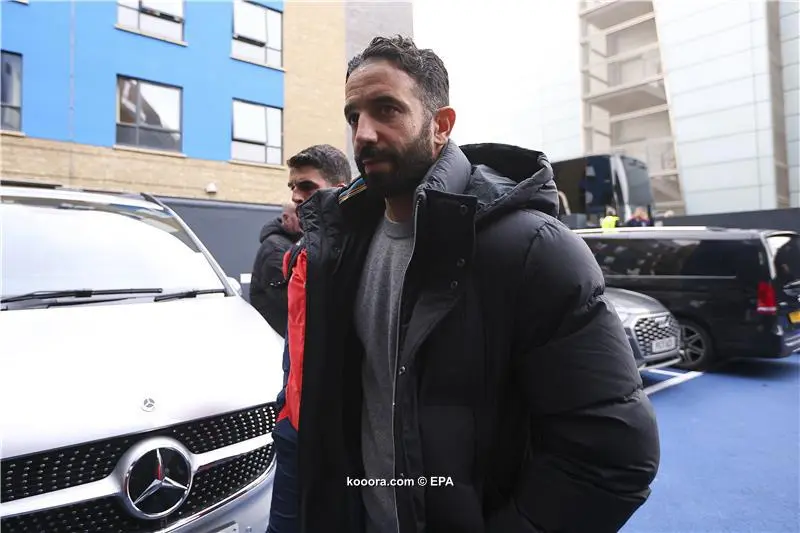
<point x="297" y="198"/>
<point x="364" y="133"/>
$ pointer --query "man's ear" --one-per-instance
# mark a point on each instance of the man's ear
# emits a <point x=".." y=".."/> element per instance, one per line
<point x="443" y="121"/>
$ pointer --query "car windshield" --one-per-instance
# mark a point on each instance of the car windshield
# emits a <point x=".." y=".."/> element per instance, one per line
<point x="56" y="243"/>
<point x="785" y="251"/>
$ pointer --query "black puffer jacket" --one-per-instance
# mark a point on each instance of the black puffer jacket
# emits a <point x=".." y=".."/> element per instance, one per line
<point x="269" y="300"/>
<point x="514" y="378"/>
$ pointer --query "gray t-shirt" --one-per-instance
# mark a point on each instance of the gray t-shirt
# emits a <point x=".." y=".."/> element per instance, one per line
<point x="376" y="324"/>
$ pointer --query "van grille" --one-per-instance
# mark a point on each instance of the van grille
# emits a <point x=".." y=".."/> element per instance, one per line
<point x="107" y="515"/>
<point x="654" y="328"/>
<point x="53" y="470"/>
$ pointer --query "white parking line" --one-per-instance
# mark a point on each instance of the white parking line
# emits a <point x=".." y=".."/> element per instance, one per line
<point x="664" y="372"/>
<point x="677" y="380"/>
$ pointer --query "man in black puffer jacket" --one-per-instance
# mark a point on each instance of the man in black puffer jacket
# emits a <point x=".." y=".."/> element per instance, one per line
<point x="276" y="237"/>
<point x="457" y="332"/>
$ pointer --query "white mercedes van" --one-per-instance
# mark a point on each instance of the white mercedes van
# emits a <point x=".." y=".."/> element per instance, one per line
<point x="138" y="386"/>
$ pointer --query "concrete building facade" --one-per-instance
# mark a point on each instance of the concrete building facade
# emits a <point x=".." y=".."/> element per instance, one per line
<point x="705" y="92"/>
<point x="789" y="32"/>
<point x="171" y="97"/>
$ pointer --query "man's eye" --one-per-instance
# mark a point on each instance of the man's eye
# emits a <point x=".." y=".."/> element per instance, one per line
<point x="306" y="186"/>
<point x="352" y="119"/>
<point x="388" y="110"/>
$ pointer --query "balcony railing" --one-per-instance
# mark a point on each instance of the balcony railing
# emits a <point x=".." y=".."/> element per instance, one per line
<point x="628" y="68"/>
<point x="603" y="14"/>
<point x="634" y="70"/>
<point x="589" y="4"/>
<point x="658" y="154"/>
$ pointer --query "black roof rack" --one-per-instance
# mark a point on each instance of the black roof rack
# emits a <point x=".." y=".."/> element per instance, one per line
<point x="30" y="184"/>
<point x="150" y="198"/>
<point x="44" y="185"/>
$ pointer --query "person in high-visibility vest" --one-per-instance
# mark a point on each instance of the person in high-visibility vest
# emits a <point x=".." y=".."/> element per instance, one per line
<point x="610" y="221"/>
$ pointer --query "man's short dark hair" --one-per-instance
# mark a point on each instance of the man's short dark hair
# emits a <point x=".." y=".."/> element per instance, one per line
<point x="329" y="160"/>
<point x="423" y="65"/>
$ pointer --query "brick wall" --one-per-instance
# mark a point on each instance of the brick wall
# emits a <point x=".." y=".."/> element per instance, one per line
<point x="94" y="167"/>
<point x="314" y="44"/>
<point x="314" y="59"/>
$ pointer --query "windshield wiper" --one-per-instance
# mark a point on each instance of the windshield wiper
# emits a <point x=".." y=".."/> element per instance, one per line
<point x="76" y="293"/>
<point x="187" y="294"/>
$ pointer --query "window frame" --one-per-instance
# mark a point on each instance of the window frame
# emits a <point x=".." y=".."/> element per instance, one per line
<point x="138" y="127"/>
<point x="4" y="105"/>
<point x="145" y="10"/>
<point x="266" y="144"/>
<point x="255" y="42"/>
<point x="639" y="251"/>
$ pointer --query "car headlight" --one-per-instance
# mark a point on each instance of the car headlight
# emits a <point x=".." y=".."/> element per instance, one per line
<point x="623" y="316"/>
<point x="628" y="314"/>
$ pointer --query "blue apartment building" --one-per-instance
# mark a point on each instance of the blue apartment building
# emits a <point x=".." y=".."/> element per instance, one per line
<point x="201" y="78"/>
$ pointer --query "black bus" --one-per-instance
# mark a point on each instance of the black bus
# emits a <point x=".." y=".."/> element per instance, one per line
<point x="590" y="185"/>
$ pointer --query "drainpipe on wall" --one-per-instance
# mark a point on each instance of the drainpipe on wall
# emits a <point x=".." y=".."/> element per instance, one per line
<point x="71" y="126"/>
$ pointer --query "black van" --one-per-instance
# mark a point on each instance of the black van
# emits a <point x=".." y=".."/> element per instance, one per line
<point x="736" y="292"/>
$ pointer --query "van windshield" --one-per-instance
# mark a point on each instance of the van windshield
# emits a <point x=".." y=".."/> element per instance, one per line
<point x="785" y="251"/>
<point x="61" y="243"/>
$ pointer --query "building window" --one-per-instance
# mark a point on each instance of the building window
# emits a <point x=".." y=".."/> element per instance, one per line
<point x="257" y="34"/>
<point x="158" y="18"/>
<point x="257" y="133"/>
<point x="148" y="115"/>
<point x="11" y="91"/>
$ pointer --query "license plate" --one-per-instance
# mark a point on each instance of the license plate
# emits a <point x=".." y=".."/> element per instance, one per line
<point x="794" y="317"/>
<point x="662" y="345"/>
<point x="230" y="528"/>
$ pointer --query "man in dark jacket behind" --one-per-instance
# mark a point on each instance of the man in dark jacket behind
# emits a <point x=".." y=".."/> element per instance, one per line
<point x="276" y="237"/>
<point x="458" y="334"/>
<point x="313" y="168"/>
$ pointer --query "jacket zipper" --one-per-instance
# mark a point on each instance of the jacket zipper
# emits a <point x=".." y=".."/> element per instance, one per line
<point x="397" y="356"/>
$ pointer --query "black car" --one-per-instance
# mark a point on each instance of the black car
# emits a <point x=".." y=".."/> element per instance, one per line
<point x="654" y="333"/>
<point x="735" y="292"/>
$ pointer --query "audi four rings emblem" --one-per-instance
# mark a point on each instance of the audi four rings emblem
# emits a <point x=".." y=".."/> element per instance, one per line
<point x="157" y="479"/>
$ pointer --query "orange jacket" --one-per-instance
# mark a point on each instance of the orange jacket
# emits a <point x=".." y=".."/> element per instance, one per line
<point x="295" y="336"/>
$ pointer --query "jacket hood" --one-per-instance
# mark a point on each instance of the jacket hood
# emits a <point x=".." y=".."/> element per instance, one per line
<point x="275" y="227"/>
<point x="507" y="178"/>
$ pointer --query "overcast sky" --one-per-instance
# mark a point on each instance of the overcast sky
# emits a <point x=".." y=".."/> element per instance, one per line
<point x="513" y="68"/>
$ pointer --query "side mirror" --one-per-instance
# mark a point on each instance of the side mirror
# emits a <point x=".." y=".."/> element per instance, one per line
<point x="236" y="285"/>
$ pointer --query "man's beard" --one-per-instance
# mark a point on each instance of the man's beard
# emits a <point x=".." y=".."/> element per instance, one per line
<point x="410" y="166"/>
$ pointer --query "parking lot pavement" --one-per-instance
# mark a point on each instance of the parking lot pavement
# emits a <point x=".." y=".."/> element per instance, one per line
<point x="730" y="456"/>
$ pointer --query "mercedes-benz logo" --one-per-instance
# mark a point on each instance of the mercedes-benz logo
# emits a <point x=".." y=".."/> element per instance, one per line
<point x="157" y="480"/>
<point x="148" y="404"/>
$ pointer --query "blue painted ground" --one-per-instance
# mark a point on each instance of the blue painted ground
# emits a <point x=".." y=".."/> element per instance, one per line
<point x="730" y="452"/>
